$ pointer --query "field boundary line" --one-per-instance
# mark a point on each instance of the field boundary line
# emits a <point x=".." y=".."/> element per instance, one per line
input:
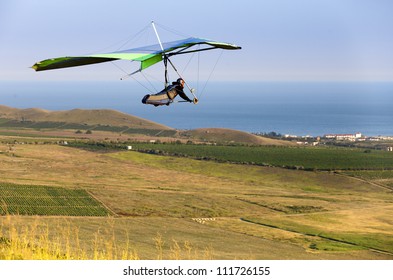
<point x="102" y="203"/>
<point x="319" y="236"/>
<point x="365" y="181"/>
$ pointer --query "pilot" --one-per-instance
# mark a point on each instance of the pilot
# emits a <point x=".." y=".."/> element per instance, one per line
<point x="179" y="86"/>
<point x="167" y="95"/>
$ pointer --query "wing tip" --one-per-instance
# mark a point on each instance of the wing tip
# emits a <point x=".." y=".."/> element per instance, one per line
<point x="34" y="67"/>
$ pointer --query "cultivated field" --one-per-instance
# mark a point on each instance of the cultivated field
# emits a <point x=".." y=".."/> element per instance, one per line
<point x="164" y="207"/>
<point x="310" y="158"/>
<point x="43" y="200"/>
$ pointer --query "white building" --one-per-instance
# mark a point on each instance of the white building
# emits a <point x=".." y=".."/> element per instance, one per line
<point x="342" y="137"/>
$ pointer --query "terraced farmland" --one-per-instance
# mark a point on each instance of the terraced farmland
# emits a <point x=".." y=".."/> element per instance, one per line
<point x="45" y="200"/>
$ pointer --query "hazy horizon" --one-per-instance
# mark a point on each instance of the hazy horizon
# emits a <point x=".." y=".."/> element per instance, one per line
<point x="315" y="108"/>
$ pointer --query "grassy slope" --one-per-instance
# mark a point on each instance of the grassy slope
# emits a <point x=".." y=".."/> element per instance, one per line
<point x="79" y="116"/>
<point x="53" y="123"/>
<point x="172" y="197"/>
<point x="381" y="177"/>
<point x="222" y="135"/>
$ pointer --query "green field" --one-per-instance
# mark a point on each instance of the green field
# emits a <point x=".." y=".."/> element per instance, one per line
<point x="43" y="200"/>
<point x="309" y="158"/>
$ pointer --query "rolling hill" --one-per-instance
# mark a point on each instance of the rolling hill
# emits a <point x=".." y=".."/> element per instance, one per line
<point x="223" y="135"/>
<point x="104" y="120"/>
<point x="101" y="117"/>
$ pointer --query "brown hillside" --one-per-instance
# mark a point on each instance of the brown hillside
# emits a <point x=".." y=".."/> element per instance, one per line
<point x="79" y="116"/>
<point x="223" y="135"/>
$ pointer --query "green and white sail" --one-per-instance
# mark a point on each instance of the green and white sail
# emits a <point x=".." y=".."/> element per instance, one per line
<point x="148" y="55"/>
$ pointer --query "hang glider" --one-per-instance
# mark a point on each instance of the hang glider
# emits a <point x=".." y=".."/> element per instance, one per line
<point x="148" y="55"/>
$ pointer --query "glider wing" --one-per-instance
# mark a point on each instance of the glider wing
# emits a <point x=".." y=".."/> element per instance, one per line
<point x="148" y="55"/>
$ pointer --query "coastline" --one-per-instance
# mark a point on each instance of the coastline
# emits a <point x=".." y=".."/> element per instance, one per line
<point x="299" y="108"/>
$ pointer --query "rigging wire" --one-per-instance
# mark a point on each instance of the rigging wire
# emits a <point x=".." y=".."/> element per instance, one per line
<point x="211" y="73"/>
<point x="188" y="63"/>
<point x="173" y="31"/>
<point x="132" y="76"/>
<point x="134" y="37"/>
<point x="142" y="85"/>
<point x="118" y="67"/>
<point x="152" y="77"/>
<point x="148" y="81"/>
<point x="126" y="41"/>
<point x="146" y="76"/>
<point x="198" y="69"/>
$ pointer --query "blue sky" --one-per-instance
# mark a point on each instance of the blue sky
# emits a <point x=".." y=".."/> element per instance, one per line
<point x="282" y="39"/>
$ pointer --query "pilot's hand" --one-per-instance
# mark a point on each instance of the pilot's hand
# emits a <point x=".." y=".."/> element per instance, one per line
<point x="195" y="100"/>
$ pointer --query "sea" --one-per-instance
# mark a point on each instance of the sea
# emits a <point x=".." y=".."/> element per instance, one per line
<point x="295" y="108"/>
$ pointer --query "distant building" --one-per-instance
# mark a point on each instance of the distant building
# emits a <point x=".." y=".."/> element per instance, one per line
<point x="342" y="137"/>
<point x="290" y="136"/>
<point x="385" y="137"/>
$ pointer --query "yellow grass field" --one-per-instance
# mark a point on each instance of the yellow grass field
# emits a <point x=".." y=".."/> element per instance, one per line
<point x="179" y="208"/>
